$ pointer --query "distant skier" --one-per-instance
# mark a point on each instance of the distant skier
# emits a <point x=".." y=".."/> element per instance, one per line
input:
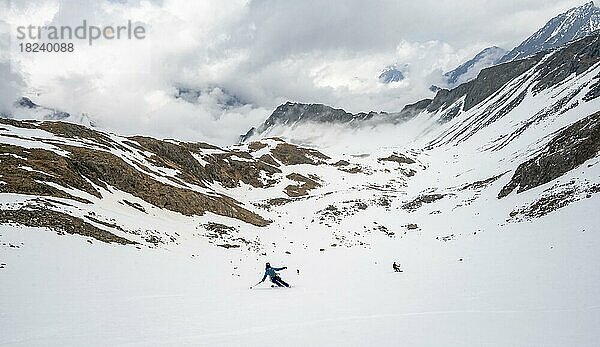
<point x="396" y="267"/>
<point x="271" y="272"/>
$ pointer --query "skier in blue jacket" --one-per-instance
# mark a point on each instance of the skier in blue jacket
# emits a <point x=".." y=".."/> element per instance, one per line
<point x="271" y="272"/>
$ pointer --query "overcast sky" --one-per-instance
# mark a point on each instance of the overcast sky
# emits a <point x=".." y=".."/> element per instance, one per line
<point x="262" y="52"/>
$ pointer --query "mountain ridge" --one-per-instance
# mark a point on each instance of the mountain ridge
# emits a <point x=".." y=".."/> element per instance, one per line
<point x="571" y="25"/>
<point x="470" y="69"/>
<point x="489" y="81"/>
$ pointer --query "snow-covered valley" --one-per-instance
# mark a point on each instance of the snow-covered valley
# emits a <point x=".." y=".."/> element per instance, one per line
<point x="487" y="195"/>
<point x="531" y="284"/>
<point x="471" y="275"/>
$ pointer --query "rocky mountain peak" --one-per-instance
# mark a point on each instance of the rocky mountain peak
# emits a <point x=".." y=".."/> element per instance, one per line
<point x="572" y="25"/>
<point x="294" y="113"/>
<point x="391" y="73"/>
<point x="470" y="69"/>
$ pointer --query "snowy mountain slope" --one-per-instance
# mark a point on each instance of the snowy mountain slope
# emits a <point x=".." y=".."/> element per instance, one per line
<point x="570" y="26"/>
<point x="487" y="195"/>
<point x="391" y="74"/>
<point x="470" y="69"/>
<point x="73" y="172"/>
<point x="509" y="111"/>
<point x="574" y="24"/>
<point x="474" y="265"/>
<point x="477" y="138"/>
<point x="548" y="85"/>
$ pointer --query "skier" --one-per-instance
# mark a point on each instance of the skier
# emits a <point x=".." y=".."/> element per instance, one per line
<point x="396" y="267"/>
<point x="270" y="271"/>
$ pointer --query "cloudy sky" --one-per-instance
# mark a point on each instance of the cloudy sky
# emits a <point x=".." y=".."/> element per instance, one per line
<point x="248" y="56"/>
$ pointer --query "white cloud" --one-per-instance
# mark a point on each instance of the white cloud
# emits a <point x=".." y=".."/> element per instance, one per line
<point x="265" y="52"/>
<point x="11" y="87"/>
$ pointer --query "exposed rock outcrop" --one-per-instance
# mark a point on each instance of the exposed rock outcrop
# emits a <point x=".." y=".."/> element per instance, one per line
<point x="59" y="222"/>
<point x="290" y="154"/>
<point x="302" y="187"/>
<point x="42" y="172"/>
<point x="568" y="149"/>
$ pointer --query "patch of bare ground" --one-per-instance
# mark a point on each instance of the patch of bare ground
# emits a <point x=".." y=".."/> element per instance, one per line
<point x="227" y="237"/>
<point x="305" y="184"/>
<point x="420" y="200"/>
<point x="555" y="198"/>
<point x="290" y="154"/>
<point x="397" y="158"/>
<point x="59" y="222"/>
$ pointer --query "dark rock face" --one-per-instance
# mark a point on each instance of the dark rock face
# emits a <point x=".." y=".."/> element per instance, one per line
<point x="248" y="135"/>
<point x="221" y="96"/>
<point x="449" y="114"/>
<point x="478" y="185"/>
<point x="398" y="158"/>
<point x="487" y="83"/>
<point x="434" y="88"/>
<point x="256" y="146"/>
<point x="341" y="163"/>
<point x="391" y="74"/>
<point x="570" y="148"/>
<point x="267" y="158"/>
<point x="560" y="30"/>
<point x="410" y="111"/>
<point x="26" y="103"/>
<point x="291" y="113"/>
<point x="594" y="91"/>
<point x="575" y="58"/>
<point x="422" y="199"/>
